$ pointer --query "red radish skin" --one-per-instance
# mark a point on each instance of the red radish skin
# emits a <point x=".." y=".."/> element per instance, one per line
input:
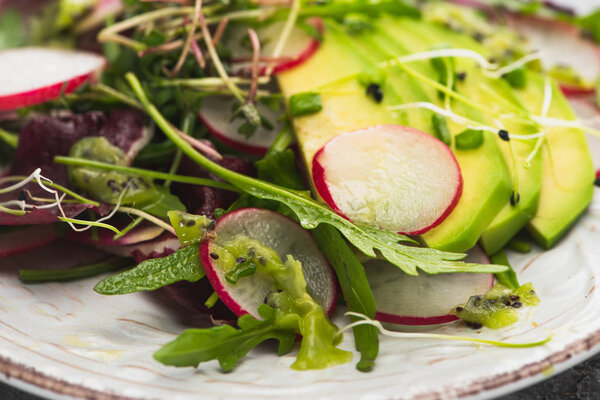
<point x="215" y="114"/>
<point x="320" y="175"/>
<point x="22" y="240"/>
<point x="477" y="284"/>
<point x="51" y="86"/>
<point x="227" y="294"/>
<point x="241" y="65"/>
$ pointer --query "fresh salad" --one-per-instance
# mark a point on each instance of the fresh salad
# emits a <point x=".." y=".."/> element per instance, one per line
<point x="266" y="161"/>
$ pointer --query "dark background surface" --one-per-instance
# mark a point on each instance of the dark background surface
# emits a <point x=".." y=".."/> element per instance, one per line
<point x="579" y="383"/>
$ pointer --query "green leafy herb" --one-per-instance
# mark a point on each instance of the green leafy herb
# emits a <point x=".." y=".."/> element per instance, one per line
<point x="338" y="10"/>
<point x="440" y="128"/>
<point x="11" y="139"/>
<point x="311" y="213"/>
<point x="305" y="103"/>
<point x="355" y="288"/>
<point x="182" y="265"/>
<point x="516" y="78"/>
<point x="469" y="139"/>
<point x="80" y="272"/>
<point x="357" y="23"/>
<point x="591" y="25"/>
<point x="508" y="278"/>
<point x="227" y="344"/>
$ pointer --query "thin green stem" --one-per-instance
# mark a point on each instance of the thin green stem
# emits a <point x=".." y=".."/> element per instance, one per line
<point x="212" y="300"/>
<point x="11" y="139"/>
<point x="156" y="221"/>
<point x="82" y="162"/>
<point x="128" y="228"/>
<point x="106" y="265"/>
<point x="17" y="213"/>
<point x="90" y="223"/>
<point x="107" y="90"/>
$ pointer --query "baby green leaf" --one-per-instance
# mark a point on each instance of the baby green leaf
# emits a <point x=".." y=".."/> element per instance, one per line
<point x="183" y="265"/>
<point x="469" y="139"/>
<point x="440" y="127"/>
<point x="305" y="103"/>
<point x="225" y="343"/>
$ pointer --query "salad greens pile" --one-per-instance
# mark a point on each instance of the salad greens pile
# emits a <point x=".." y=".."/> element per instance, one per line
<point x="164" y="59"/>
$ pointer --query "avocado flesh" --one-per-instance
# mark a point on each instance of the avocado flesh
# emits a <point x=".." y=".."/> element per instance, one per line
<point x="487" y="184"/>
<point x="511" y="218"/>
<point x="568" y="178"/>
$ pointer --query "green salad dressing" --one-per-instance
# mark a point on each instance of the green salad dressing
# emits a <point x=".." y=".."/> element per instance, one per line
<point x="498" y="307"/>
<point x="243" y="257"/>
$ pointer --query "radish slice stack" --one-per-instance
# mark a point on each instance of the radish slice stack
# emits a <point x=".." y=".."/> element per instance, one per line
<point x="394" y="177"/>
<point x="424" y="299"/>
<point x="25" y="239"/>
<point x="32" y="75"/>
<point x="285" y="237"/>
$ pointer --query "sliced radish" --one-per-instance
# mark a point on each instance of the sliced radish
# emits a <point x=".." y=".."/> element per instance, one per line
<point x="32" y="75"/>
<point x="285" y="237"/>
<point x="554" y="40"/>
<point x="161" y="246"/>
<point x="25" y="239"/>
<point x="299" y="47"/>
<point x="394" y="177"/>
<point x="424" y="299"/>
<point x="215" y="114"/>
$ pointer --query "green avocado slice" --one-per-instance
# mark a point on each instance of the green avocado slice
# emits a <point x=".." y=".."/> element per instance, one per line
<point x="526" y="178"/>
<point x="568" y="177"/>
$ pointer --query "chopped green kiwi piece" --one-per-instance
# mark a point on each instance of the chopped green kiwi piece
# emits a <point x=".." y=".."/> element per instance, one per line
<point x="498" y="308"/>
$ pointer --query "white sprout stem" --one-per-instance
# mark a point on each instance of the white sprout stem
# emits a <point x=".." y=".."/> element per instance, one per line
<point x="285" y="34"/>
<point x="212" y="51"/>
<point x="22" y="183"/>
<point x="461" y="53"/>
<point x="513" y="66"/>
<point x="19" y="203"/>
<point x="545" y="109"/>
<point x="418" y="335"/>
<point x="156" y="221"/>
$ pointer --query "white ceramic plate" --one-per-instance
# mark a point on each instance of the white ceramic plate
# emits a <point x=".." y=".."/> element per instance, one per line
<point x="64" y="339"/>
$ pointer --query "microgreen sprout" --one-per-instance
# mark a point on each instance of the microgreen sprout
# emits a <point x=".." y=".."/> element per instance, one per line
<point x="364" y="320"/>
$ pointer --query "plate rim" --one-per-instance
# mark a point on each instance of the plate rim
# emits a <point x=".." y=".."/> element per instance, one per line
<point x="26" y="378"/>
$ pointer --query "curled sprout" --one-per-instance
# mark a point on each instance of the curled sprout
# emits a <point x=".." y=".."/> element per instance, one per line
<point x="364" y="320"/>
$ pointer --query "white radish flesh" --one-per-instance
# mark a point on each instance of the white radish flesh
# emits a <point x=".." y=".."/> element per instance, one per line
<point x="32" y="75"/>
<point x="215" y="114"/>
<point x="389" y="176"/>
<point x="282" y="235"/>
<point x="299" y="47"/>
<point x="424" y="299"/>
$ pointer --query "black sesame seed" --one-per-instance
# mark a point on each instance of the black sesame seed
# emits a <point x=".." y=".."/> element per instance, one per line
<point x="459" y="309"/>
<point x="503" y="133"/>
<point x="213" y="223"/>
<point x="478" y="36"/>
<point x="532" y="291"/>
<point x="461" y="76"/>
<point x="474" y="325"/>
<point x="514" y="297"/>
<point x="251" y="253"/>
<point x="240" y="260"/>
<point x="190" y="222"/>
<point x="507" y="303"/>
<point x="113" y="185"/>
<point x="517" y="304"/>
<point x="374" y="90"/>
<point x="214" y="256"/>
<point x="597" y="182"/>
<point x="515" y="198"/>
<point x="262" y="260"/>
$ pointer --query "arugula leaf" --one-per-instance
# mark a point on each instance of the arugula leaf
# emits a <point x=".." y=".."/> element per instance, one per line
<point x="591" y="25"/>
<point x="12" y="33"/>
<point x="227" y="344"/>
<point x="311" y="213"/>
<point x="182" y="265"/>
